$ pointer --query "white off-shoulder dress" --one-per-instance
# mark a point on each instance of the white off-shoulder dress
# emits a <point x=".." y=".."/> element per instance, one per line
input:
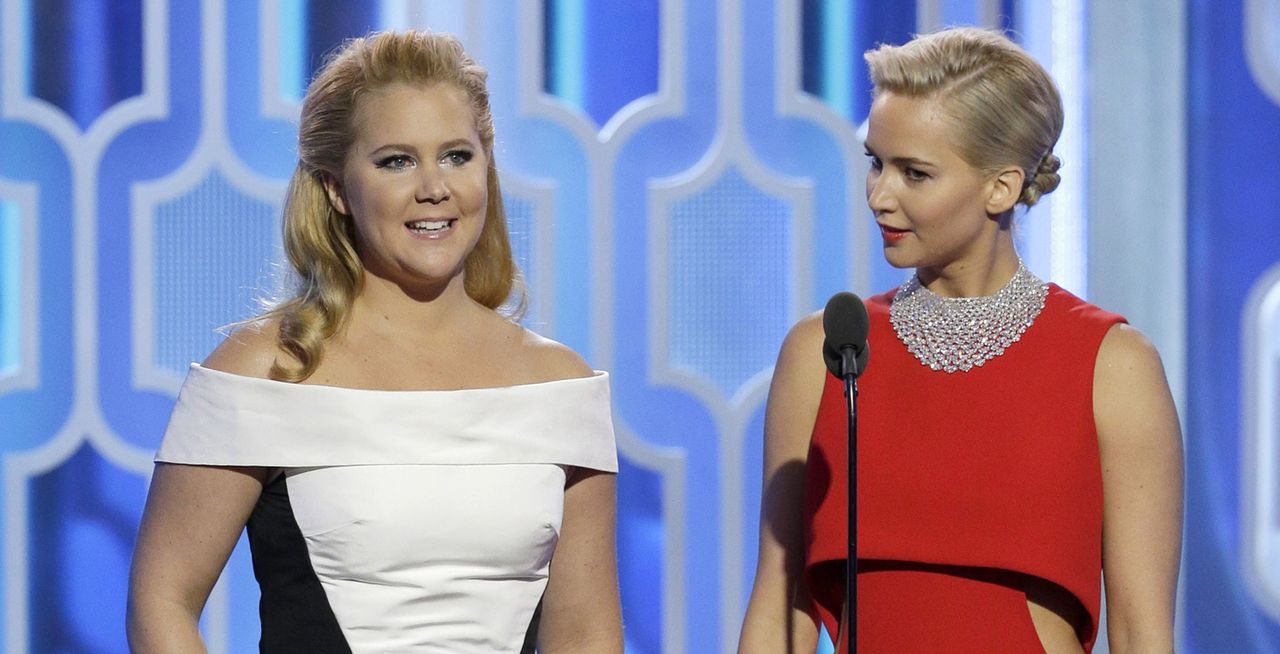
<point x="398" y="521"/>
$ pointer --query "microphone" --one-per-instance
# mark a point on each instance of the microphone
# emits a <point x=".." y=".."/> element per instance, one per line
<point x="844" y="322"/>
<point x="845" y="325"/>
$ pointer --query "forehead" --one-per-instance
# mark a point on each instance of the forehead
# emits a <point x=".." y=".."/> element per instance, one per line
<point x="412" y="112"/>
<point x="901" y="122"/>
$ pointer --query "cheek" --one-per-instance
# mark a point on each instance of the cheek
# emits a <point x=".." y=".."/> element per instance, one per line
<point x="367" y="228"/>
<point x="368" y="198"/>
<point x="476" y="195"/>
<point x="376" y="208"/>
<point x="951" y="217"/>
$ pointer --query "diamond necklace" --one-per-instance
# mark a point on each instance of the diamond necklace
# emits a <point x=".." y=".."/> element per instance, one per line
<point x="959" y="333"/>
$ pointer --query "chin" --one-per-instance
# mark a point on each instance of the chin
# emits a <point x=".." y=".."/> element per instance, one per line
<point x="899" y="260"/>
<point x="437" y="277"/>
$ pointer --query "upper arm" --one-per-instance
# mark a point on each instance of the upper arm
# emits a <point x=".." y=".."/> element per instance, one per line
<point x="794" y="395"/>
<point x="581" y="608"/>
<point x="192" y="520"/>
<point x="1140" y="447"/>
<point x="778" y="615"/>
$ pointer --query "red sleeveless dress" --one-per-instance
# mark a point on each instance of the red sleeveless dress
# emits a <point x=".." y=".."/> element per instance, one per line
<point x="967" y="483"/>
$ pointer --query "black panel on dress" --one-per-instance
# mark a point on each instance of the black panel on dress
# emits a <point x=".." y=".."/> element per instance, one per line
<point x="295" y="613"/>
<point x="531" y="634"/>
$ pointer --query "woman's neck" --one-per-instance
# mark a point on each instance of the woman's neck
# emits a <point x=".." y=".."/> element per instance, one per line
<point x="975" y="276"/>
<point x="385" y="307"/>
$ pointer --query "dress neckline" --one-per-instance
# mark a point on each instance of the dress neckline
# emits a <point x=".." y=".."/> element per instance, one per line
<point x="231" y="377"/>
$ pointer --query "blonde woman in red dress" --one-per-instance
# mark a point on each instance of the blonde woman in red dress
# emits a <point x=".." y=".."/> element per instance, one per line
<point x="1015" y="441"/>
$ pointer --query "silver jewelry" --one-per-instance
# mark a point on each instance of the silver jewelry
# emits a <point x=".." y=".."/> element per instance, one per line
<point x="959" y="333"/>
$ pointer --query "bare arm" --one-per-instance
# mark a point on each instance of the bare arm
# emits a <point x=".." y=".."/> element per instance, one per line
<point x="193" y="518"/>
<point x="1141" y="450"/>
<point x="779" y="617"/>
<point x="581" y="611"/>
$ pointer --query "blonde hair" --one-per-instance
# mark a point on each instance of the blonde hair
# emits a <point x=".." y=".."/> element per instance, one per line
<point x="319" y="241"/>
<point x="1005" y="107"/>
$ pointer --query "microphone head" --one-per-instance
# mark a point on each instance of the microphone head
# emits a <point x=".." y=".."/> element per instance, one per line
<point x="845" y="323"/>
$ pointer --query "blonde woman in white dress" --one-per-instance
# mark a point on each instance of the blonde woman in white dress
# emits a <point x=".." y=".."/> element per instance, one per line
<point x="417" y="471"/>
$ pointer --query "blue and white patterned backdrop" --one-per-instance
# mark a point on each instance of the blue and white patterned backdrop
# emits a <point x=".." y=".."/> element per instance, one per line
<point x="684" y="181"/>
<point x="1233" y="234"/>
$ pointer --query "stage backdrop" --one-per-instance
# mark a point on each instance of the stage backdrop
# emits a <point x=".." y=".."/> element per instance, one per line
<point x="683" y="180"/>
<point x="1232" y="581"/>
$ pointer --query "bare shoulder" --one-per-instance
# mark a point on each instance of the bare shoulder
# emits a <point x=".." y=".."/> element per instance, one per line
<point x="249" y="349"/>
<point x="549" y="360"/>
<point x="803" y="344"/>
<point x="1126" y="355"/>
<point x="796" y="389"/>
<point x="1131" y="397"/>
<point x="798" y="374"/>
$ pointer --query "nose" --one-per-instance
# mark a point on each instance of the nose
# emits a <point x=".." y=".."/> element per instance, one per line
<point x="879" y="192"/>
<point x="432" y="187"/>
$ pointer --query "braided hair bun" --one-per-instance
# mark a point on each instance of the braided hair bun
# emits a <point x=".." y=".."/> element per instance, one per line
<point x="1043" y="181"/>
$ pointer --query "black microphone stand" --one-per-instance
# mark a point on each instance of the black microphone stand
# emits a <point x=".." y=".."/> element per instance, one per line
<point x="849" y="372"/>
<point x="845" y="326"/>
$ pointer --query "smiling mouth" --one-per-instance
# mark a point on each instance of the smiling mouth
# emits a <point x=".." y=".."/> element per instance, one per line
<point x="430" y="226"/>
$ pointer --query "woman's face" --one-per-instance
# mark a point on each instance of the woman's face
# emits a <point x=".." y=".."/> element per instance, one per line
<point x="414" y="183"/>
<point x="933" y="208"/>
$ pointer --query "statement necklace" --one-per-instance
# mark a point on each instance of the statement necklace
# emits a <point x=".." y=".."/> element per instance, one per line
<point x="951" y="334"/>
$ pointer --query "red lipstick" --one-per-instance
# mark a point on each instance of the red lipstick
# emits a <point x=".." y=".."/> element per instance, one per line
<point x="891" y="234"/>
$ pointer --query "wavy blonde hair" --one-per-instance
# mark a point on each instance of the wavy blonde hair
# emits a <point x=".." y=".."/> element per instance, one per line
<point x="320" y="242"/>
<point x="1005" y="107"/>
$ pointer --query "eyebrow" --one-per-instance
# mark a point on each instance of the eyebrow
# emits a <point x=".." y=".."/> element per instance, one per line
<point x="912" y="162"/>
<point x="401" y="147"/>
<point x="405" y="147"/>
<point x="453" y="143"/>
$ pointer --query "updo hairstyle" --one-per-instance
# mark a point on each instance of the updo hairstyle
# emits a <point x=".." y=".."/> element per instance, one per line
<point x="1004" y="106"/>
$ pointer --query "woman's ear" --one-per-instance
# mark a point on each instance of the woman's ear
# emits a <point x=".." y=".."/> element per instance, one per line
<point x="333" y="188"/>
<point x="1004" y="190"/>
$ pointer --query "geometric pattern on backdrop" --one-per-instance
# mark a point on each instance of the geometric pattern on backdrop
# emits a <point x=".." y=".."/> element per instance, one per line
<point x="1233" y="250"/>
<point x="672" y="221"/>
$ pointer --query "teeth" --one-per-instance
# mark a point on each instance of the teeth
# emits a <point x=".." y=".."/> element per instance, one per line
<point x="428" y="225"/>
